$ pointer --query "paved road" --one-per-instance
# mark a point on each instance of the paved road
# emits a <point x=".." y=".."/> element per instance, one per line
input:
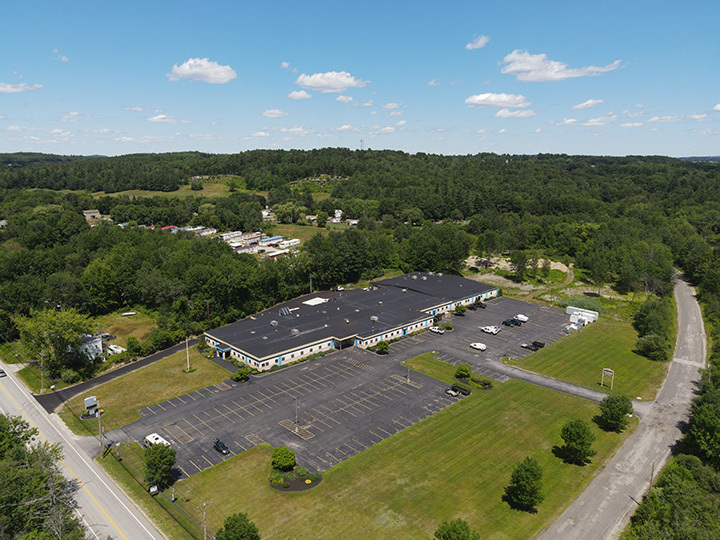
<point x="604" y="508"/>
<point x="104" y="509"/>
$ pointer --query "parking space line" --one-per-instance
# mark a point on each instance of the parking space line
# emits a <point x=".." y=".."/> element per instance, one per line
<point x="203" y="421"/>
<point x="264" y="396"/>
<point x="149" y="409"/>
<point x="224" y="415"/>
<point x="171" y="403"/>
<point x="190" y="396"/>
<point x="181" y="401"/>
<point x="242" y="407"/>
<point x="384" y="431"/>
<point x="183" y="471"/>
<point x="261" y="402"/>
<point x="233" y="412"/>
<point x="206" y="459"/>
<point x="240" y="445"/>
<point x="163" y="408"/>
<point x="193" y="463"/>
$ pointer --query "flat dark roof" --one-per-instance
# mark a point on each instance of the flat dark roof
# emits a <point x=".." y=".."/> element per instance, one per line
<point x="344" y="314"/>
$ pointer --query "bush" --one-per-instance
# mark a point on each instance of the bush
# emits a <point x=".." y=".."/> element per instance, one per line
<point x="581" y="302"/>
<point x="578" y="439"/>
<point x="460" y="310"/>
<point x="286" y="485"/>
<point x="242" y="374"/>
<point x="653" y="347"/>
<point x="481" y="382"/>
<point x="283" y="458"/>
<point x="69" y="376"/>
<point x="314" y="476"/>
<point x="159" y="461"/>
<point x="302" y="471"/>
<point x="525" y="489"/>
<point x="463" y="371"/>
<point x="446" y="325"/>
<point x="383" y="347"/>
<point x="613" y="412"/>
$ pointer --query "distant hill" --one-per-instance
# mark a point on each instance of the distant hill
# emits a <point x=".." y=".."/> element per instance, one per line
<point x="706" y="159"/>
<point x="21" y="159"/>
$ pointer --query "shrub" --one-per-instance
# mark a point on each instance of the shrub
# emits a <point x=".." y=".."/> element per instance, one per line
<point x="242" y="374"/>
<point x="446" y="325"/>
<point x="578" y="439"/>
<point x="613" y="411"/>
<point x="383" y="347"/>
<point x="286" y="485"/>
<point x="481" y="382"/>
<point x="69" y="376"/>
<point x="302" y="471"/>
<point x="463" y="371"/>
<point x="314" y="476"/>
<point x="283" y="458"/>
<point x="653" y="347"/>
<point x="460" y="310"/>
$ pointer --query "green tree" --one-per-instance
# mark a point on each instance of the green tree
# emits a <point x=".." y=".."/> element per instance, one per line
<point x="322" y="218"/>
<point x="242" y="374"/>
<point x="525" y="489"/>
<point x="52" y="337"/>
<point x="613" y="412"/>
<point x="460" y="310"/>
<point x="283" y="458"/>
<point x="133" y="346"/>
<point x="383" y="347"/>
<point x="704" y="431"/>
<point x="578" y="437"/>
<point x="238" y="527"/>
<point x="519" y="261"/>
<point x="457" y="529"/>
<point x="463" y="371"/>
<point x="159" y="462"/>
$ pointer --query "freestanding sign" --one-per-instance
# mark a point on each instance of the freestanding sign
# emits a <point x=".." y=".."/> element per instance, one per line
<point x="607" y="372"/>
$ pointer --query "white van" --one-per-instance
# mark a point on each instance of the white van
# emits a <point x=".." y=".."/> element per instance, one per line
<point x="522" y="318"/>
<point x="154" y="438"/>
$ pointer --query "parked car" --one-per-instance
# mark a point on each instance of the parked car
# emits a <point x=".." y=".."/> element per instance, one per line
<point x="529" y="346"/>
<point x="478" y="346"/>
<point x="221" y="447"/>
<point x="437" y="330"/>
<point x="490" y="329"/>
<point x="451" y="392"/>
<point x="538" y="344"/>
<point x="2" y="373"/>
<point x="472" y="307"/>
<point x="509" y="322"/>
<point x="481" y="305"/>
<point x="522" y="318"/>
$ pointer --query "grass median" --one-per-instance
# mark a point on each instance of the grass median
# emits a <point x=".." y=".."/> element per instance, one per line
<point x="122" y="397"/>
<point x="581" y="357"/>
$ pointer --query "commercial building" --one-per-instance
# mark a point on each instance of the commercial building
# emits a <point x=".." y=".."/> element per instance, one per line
<point x="329" y="320"/>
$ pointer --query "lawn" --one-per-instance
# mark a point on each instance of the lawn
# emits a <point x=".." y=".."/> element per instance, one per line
<point x="580" y="358"/>
<point x="158" y="382"/>
<point x="292" y="230"/>
<point x="453" y="464"/>
<point x="138" y="325"/>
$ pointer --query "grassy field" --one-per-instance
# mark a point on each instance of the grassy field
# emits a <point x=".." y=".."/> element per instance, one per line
<point x="159" y="381"/>
<point x="292" y="230"/>
<point x="138" y="325"/>
<point x="580" y="358"/>
<point x="453" y="464"/>
<point x="11" y="352"/>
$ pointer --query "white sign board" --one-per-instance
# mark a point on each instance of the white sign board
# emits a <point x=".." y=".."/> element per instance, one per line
<point x="91" y="402"/>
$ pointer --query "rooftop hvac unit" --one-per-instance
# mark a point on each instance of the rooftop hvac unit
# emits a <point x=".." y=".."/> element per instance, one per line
<point x="284" y="311"/>
<point x="273" y="323"/>
<point x="424" y="278"/>
<point x="374" y="318"/>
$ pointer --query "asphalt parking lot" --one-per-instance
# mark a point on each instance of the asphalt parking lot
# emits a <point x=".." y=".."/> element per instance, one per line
<point x="341" y="404"/>
<point x="345" y="402"/>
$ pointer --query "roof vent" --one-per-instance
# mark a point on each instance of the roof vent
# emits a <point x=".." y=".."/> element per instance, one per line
<point x="273" y="323"/>
<point x="252" y="331"/>
<point x="294" y="332"/>
<point x="347" y="321"/>
<point x="424" y="278"/>
<point x="439" y="274"/>
<point x="414" y="276"/>
<point x="374" y="318"/>
<point x="380" y="303"/>
<point x="404" y="290"/>
<point x="265" y="337"/>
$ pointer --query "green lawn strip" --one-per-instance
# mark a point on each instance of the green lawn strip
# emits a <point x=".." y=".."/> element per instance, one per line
<point x="432" y="367"/>
<point x="139" y="325"/>
<point x="11" y="352"/>
<point x="580" y="358"/>
<point x="453" y="464"/>
<point x="128" y="474"/>
<point x="123" y="397"/>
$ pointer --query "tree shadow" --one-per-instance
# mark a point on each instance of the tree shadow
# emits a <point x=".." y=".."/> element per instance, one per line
<point x="605" y="425"/>
<point x="564" y="453"/>
<point x="516" y="506"/>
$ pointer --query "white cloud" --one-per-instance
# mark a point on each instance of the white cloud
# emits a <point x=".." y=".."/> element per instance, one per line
<point x="332" y="82"/>
<point x="633" y="114"/>
<point x="503" y="130"/>
<point x="2" y="117"/>
<point x="285" y="65"/>
<point x="162" y="118"/>
<point x="632" y="124"/>
<point x="477" y="43"/>
<point x="368" y="103"/>
<point x="6" y="88"/>
<point x="435" y="82"/>
<point x="537" y="68"/>
<point x="274" y="113"/>
<point x="697" y="117"/>
<point x="481" y="131"/>
<point x="345" y="127"/>
<point x="609" y="118"/>
<point x="135" y="108"/>
<point x="507" y="113"/>
<point x="401" y="123"/>
<point x="390" y="106"/>
<point x="501" y="101"/>
<point x="72" y="116"/>
<point x="663" y="119"/>
<point x="297" y="130"/>
<point x="538" y="130"/>
<point x="716" y="107"/>
<point x="395" y="113"/>
<point x="202" y="69"/>
<point x="565" y="122"/>
<point x="587" y="104"/>
<point x="258" y="135"/>
<point x="15" y="128"/>
<point x="59" y="56"/>
<point x="387" y="129"/>
<point x="299" y="94"/>
<point x="344" y="99"/>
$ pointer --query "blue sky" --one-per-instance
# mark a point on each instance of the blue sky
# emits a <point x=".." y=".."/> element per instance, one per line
<point x="525" y="77"/>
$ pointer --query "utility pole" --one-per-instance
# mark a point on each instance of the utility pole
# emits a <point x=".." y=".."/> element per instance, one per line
<point x="204" y="519"/>
<point x="311" y="276"/>
<point x="187" y="353"/>
<point x="296" y="415"/>
<point x="207" y="303"/>
<point x="97" y="413"/>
